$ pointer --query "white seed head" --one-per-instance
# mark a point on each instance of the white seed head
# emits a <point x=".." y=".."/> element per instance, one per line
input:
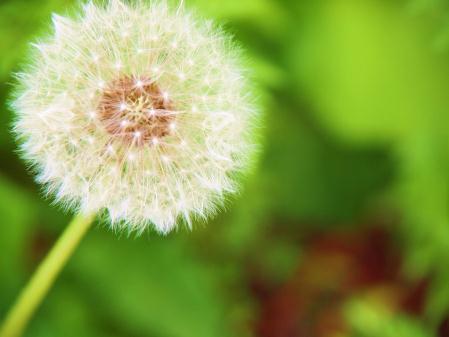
<point x="129" y="125"/>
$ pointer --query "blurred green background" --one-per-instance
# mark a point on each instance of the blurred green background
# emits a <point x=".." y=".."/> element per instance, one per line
<point x="342" y="231"/>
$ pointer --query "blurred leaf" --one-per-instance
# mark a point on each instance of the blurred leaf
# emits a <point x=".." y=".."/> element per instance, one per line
<point x="371" y="320"/>
<point x="266" y="72"/>
<point x="17" y="211"/>
<point x="370" y="71"/>
<point x="265" y="14"/>
<point x="151" y="287"/>
<point x="65" y="313"/>
<point x="305" y="176"/>
<point x="425" y="182"/>
<point x="426" y="5"/>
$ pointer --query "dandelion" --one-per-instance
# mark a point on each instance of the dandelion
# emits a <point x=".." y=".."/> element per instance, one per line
<point x="138" y="111"/>
<point x="143" y="80"/>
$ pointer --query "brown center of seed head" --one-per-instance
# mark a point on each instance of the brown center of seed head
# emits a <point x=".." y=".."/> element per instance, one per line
<point x="136" y="110"/>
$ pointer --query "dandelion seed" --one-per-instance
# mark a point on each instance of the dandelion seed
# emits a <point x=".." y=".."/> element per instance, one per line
<point x="139" y="84"/>
<point x="123" y="106"/>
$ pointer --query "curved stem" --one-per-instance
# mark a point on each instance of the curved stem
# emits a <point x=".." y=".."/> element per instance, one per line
<point x="44" y="277"/>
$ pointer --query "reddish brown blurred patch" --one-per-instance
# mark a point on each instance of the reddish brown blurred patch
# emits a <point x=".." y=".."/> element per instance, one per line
<point x="444" y="328"/>
<point x="334" y="268"/>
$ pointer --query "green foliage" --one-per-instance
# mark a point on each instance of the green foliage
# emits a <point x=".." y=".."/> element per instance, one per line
<point x="13" y="240"/>
<point x="387" y="83"/>
<point x="370" y="320"/>
<point x="383" y="81"/>
<point x="153" y="287"/>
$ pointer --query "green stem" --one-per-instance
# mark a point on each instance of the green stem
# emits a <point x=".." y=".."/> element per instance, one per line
<point x="44" y="277"/>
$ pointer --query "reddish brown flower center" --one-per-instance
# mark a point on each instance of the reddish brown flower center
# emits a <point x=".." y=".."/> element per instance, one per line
<point x="136" y="110"/>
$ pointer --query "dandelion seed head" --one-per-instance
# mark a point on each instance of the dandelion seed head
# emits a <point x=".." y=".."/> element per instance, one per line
<point x="130" y="125"/>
